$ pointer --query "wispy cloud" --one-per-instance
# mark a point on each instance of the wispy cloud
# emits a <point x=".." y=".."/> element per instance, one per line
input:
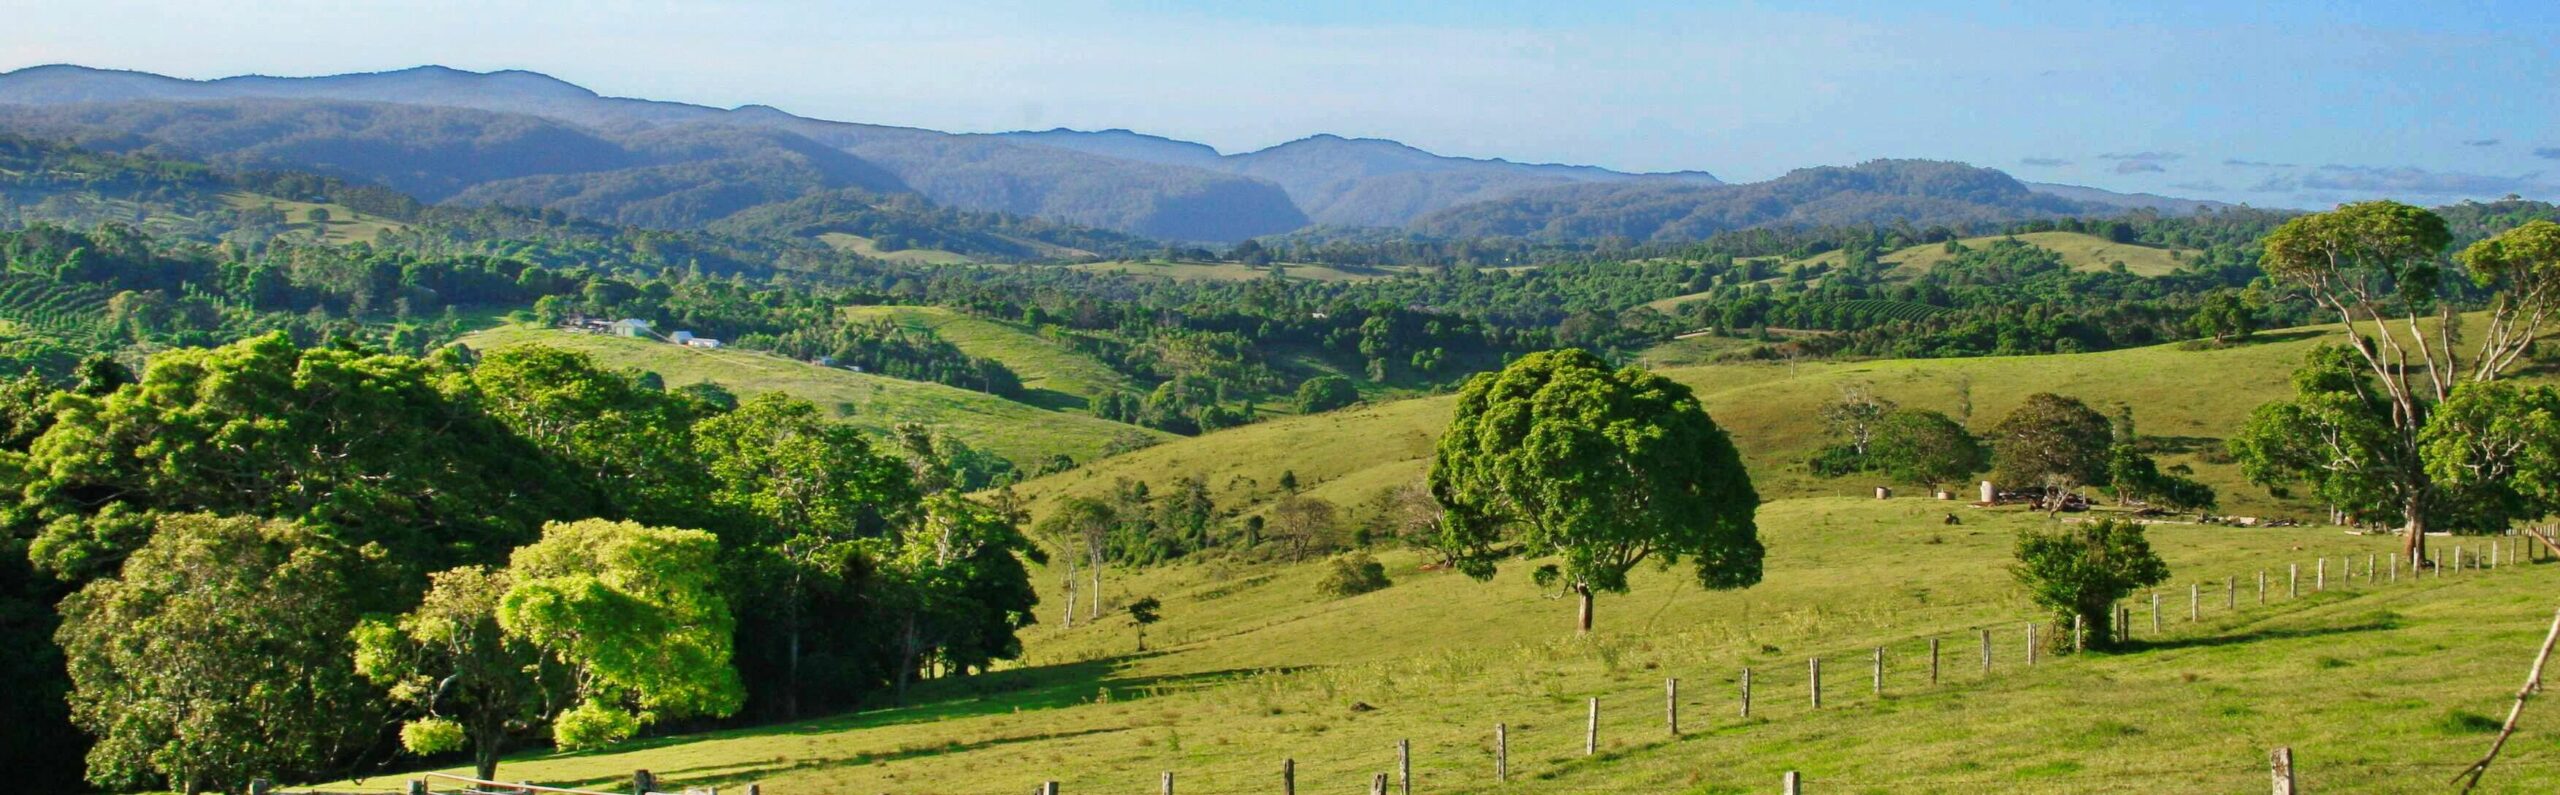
<point x="2482" y="142"/>
<point x="2043" y="161"/>
<point x="2548" y="153"/>
<point x="2138" y="167"/>
<point x="2365" y="181"/>
<point x="2257" y="164"/>
<point x="2143" y="157"/>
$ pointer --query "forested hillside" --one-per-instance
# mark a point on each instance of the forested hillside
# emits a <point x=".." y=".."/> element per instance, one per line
<point x="656" y="152"/>
<point x="524" y="139"/>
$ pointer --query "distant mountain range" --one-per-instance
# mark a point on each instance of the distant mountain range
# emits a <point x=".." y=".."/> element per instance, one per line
<point x="522" y="138"/>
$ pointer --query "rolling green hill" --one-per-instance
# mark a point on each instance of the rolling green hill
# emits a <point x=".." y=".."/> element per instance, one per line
<point x="2082" y="251"/>
<point x="2379" y="684"/>
<point x="2380" y="687"/>
<point x="1020" y="432"/>
<point x="345" y="225"/>
<point x="869" y="248"/>
<point x="1057" y="376"/>
<point x="1235" y="272"/>
<point x="1350" y="456"/>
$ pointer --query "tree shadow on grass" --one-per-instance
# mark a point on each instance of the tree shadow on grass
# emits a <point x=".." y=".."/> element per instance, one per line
<point x="2258" y="635"/>
<point x="1013" y="691"/>
<point x="727" y="774"/>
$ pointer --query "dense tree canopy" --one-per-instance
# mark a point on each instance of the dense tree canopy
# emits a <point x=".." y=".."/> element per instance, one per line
<point x="2051" y="442"/>
<point x="1560" y="455"/>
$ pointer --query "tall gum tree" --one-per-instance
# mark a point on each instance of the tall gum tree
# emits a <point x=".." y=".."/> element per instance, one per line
<point x="2358" y="436"/>
<point x="1559" y="455"/>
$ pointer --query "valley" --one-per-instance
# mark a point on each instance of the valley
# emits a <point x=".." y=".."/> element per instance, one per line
<point x="930" y="398"/>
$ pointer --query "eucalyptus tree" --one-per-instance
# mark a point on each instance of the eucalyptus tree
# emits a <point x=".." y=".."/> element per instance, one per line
<point x="2356" y="430"/>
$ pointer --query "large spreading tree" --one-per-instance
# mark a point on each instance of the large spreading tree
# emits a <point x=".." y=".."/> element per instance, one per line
<point x="1560" y="455"/>
<point x="2052" y="442"/>
<point x="1926" y="448"/>
<point x="2358" y="428"/>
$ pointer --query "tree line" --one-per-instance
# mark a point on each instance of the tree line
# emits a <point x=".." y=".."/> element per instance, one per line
<point x="482" y="553"/>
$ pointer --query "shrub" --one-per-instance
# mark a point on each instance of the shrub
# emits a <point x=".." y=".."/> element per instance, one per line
<point x="2084" y="570"/>
<point x="1354" y="574"/>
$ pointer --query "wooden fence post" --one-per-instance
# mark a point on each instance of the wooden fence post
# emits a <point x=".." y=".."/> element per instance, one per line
<point x="2195" y="601"/>
<point x="2320" y="575"/>
<point x="2293" y="581"/>
<point x="1288" y="777"/>
<point x="1879" y="670"/>
<point x="1378" y="784"/>
<point x="758" y="789"/>
<point x="1986" y="652"/>
<point x="1933" y="661"/>
<point x="2079" y="636"/>
<point x="2370" y="576"/>
<point x="2395" y="566"/>
<point x="417" y="786"/>
<point x="1591" y="733"/>
<point x="1501" y="753"/>
<point x="1671" y="705"/>
<point x="2231" y="592"/>
<point x="2262" y="586"/>
<point x="642" y="783"/>
<point x="1746" y="691"/>
<point x="2031" y="644"/>
<point x="2493" y="553"/>
<point x="1048" y="788"/>
<point x="2280" y="765"/>
<point x="1813" y="680"/>
<point x="1795" y="783"/>
<point x="2155" y="611"/>
<point x="1168" y="783"/>
<point x="1404" y="766"/>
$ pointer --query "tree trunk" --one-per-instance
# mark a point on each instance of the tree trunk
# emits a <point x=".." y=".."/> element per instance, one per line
<point x="1583" y="626"/>
<point x="791" y="669"/>
<point x="1068" y="584"/>
<point x="487" y="746"/>
<point x="484" y="760"/>
<point x="1096" y="598"/>
<point x="2414" y="518"/>
<point x="907" y="661"/>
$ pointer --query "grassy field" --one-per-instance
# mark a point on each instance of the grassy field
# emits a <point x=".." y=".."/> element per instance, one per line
<point x="1059" y="377"/>
<point x="2377" y="685"/>
<point x="2082" y="251"/>
<point x="912" y="256"/>
<point x="344" y="225"/>
<point x="1235" y="272"/>
<point x="1021" y="432"/>
<point x="2382" y="687"/>
<point x="1351" y="455"/>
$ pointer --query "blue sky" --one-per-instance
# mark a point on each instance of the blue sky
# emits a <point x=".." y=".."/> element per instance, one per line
<point x="2290" y="104"/>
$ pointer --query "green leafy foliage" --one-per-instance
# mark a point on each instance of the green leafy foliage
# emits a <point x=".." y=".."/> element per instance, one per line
<point x="1927" y="448"/>
<point x="1352" y="575"/>
<point x="448" y="663"/>
<point x="2052" y="442"/>
<point x="634" y="613"/>
<point x="2083" y="570"/>
<point x="1560" y="455"/>
<point x="1326" y="393"/>
<point x="219" y="652"/>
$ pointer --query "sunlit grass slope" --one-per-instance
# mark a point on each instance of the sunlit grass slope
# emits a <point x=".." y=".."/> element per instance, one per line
<point x="1021" y="432"/>
<point x="1059" y="376"/>
<point x="2379" y="687"/>
<point x="2081" y="251"/>
<point x="2190" y="399"/>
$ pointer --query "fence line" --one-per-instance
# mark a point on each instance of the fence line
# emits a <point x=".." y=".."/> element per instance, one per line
<point x="2280" y="760"/>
